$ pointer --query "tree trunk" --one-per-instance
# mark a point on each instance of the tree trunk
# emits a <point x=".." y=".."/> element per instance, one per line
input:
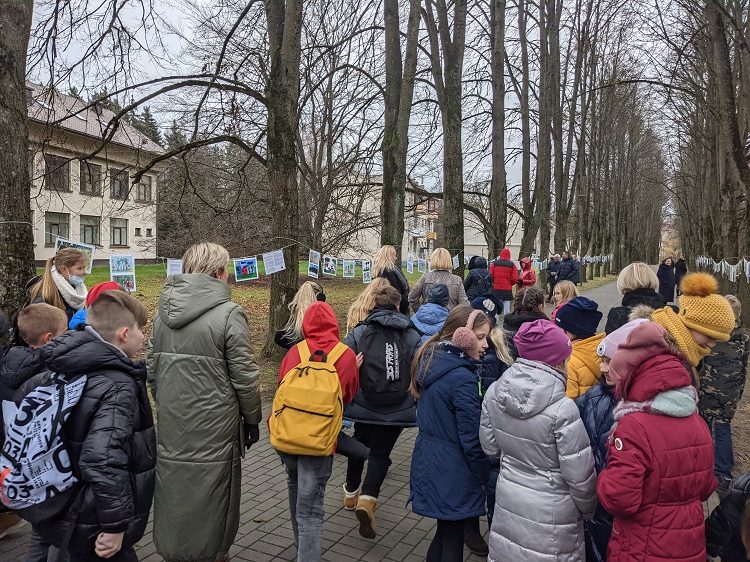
<point x="284" y="32"/>
<point x="16" y="230"/>
<point x="498" y="188"/>
<point x="547" y="88"/>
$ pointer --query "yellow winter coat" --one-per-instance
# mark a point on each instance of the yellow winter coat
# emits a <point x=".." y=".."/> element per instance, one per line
<point x="583" y="366"/>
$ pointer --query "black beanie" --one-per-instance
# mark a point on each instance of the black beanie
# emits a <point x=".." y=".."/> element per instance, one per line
<point x="580" y="316"/>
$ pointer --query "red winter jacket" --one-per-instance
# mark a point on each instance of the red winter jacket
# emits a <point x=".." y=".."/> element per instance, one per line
<point x="660" y="468"/>
<point x="528" y="276"/>
<point x="503" y="272"/>
<point x="321" y="330"/>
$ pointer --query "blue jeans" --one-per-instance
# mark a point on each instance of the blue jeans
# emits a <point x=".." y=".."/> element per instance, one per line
<point x="506" y="307"/>
<point x="723" y="451"/>
<point x="307" y="478"/>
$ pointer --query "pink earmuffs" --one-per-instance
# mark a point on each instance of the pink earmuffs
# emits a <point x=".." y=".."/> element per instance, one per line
<point x="464" y="337"/>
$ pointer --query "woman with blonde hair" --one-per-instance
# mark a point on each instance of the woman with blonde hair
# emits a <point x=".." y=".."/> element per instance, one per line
<point x="638" y="285"/>
<point x="61" y="285"/>
<point x="291" y="334"/>
<point x="442" y="265"/>
<point x="565" y="291"/>
<point x="364" y="303"/>
<point x="385" y="264"/>
<point x="206" y="385"/>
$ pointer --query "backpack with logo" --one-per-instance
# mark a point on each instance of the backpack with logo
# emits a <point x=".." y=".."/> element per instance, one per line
<point x="36" y="474"/>
<point x="308" y="407"/>
<point x="384" y="376"/>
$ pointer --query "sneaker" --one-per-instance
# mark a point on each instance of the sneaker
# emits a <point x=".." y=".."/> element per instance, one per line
<point x="350" y="499"/>
<point x="10" y="522"/>
<point x="476" y="544"/>
<point x="366" y="516"/>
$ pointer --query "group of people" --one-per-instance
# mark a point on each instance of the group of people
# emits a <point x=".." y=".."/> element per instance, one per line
<point x="565" y="267"/>
<point x="576" y="443"/>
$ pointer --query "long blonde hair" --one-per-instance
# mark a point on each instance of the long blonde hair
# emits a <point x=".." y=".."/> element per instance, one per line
<point x="568" y="290"/>
<point x="46" y="288"/>
<point x="384" y="258"/>
<point x="364" y="303"/>
<point x="497" y="336"/>
<point x="305" y="296"/>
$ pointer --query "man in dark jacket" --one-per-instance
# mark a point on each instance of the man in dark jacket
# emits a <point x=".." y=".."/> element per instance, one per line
<point x="566" y="270"/>
<point x="109" y="434"/>
<point x="680" y="270"/>
<point x="553" y="268"/>
<point x="478" y="282"/>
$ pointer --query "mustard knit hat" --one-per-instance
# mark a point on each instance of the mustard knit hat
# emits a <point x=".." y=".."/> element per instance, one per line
<point x="704" y="311"/>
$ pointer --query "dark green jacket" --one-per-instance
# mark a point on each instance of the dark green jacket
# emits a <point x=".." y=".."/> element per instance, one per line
<point x="205" y="382"/>
<point x="722" y="378"/>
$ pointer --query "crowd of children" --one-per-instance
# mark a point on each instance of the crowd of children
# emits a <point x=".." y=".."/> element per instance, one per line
<point x="576" y="444"/>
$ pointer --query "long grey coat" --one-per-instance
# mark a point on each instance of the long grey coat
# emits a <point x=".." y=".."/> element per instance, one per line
<point x="547" y="483"/>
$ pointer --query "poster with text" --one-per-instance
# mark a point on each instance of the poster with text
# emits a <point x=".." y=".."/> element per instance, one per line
<point x="350" y="267"/>
<point x="86" y="249"/>
<point x="422" y="265"/>
<point x="121" y="263"/>
<point x="246" y="269"/>
<point x="330" y="264"/>
<point x="174" y="267"/>
<point x="410" y="266"/>
<point x="273" y="262"/>
<point x="313" y="264"/>
<point x="126" y="281"/>
<point x="366" y="272"/>
<point x="455" y="261"/>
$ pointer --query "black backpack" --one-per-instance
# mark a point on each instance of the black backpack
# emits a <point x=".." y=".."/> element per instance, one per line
<point x="384" y="376"/>
<point x="483" y="285"/>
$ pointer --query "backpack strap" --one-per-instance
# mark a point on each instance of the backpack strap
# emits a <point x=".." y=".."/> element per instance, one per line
<point x="304" y="351"/>
<point x="331" y="357"/>
<point x="335" y="354"/>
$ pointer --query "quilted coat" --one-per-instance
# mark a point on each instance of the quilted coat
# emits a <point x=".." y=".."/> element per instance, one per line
<point x="583" y="367"/>
<point x="504" y="275"/>
<point x="206" y="384"/>
<point x="448" y="467"/>
<point x="723" y="536"/>
<point x="429" y="319"/>
<point x="659" y="470"/>
<point x="547" y="483"/>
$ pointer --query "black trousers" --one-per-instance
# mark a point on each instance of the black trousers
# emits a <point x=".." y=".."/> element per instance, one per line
<point x="448" y="543"/>
<point x="380" y="439"/>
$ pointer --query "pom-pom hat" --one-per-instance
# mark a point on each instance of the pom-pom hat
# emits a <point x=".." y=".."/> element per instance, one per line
<point x="703" y="310"/>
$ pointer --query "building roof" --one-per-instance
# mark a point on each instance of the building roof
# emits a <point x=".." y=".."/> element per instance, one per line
<point x="71" y="114"/>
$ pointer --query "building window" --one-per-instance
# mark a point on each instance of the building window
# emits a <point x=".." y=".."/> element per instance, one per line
<point x="57" y="173"/>
<point x="137" y="231"/>
<point x="91" y="230"/>
<point x="55" y="224"/>
<point x="431" y="205"/>
<point x="149" y="232"/>
<point x="118" y="183"/>
<point x="91" y="178"/>
<point x="143" y="189"/>
<point x="118" y="232"/>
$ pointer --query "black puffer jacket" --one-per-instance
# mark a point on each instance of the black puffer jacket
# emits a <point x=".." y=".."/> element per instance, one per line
<point x="397" y="280"/>
<point x="110" y="438"/>
<point x="18" y="366"/>
<point x="566" y="271"/>
<point x="478" y="282"/>
<point x="619" y="315"/>
<point x="723" y="525"/>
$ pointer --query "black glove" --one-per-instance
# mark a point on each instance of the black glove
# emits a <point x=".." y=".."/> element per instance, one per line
<point x="252" y="434"/>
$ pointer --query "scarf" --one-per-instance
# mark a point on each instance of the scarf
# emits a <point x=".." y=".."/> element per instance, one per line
<point x="676" y="403"/>
<point x="670" y="321"/>
<point x="74" y="297"/>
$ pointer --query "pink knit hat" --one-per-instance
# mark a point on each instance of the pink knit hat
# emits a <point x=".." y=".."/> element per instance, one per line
<point x="613" y="341"/>
<point x="542" y="341"/>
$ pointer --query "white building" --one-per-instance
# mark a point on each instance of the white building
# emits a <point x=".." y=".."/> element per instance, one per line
<point x="90" y="199"/>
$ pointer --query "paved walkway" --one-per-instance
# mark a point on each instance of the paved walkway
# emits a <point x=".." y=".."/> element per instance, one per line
<point x="266" y="532"/>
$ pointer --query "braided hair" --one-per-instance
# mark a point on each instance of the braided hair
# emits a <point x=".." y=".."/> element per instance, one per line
<point x="528" y="299"/>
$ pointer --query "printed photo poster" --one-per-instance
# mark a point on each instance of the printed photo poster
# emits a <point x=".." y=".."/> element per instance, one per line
<point x="330" y="264"/>
<point x="87" y="250"/>
<point x="410" y="266"/>
<point x="366" y="271"/>
<point x="455" y="261"/>
<point x="174" y="267"/>
<point x="246" y="269"/>
<point x="125" y="280"/>
<point x="273" y="262"/>
<point x="350" y="267"/>
<point x="313" y="264"/>
<point x="422" y="265"/>
<point x="121" y="263"/>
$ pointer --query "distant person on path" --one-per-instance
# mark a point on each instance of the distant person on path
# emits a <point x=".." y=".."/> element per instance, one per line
<point x="565" y="291"/>
<point x="553" y="269"/>
<point x="576" y="275"/>
<point x="442" y="265"/>
<point x="383" y="405"/>
<point x="566" y="271"/>
<point x="547" y="483"/>
<point x="205" y="382"/>
<point x="728" y="526"/>
<point x="580" y="319"/>
<point x="660" y="456"/>
<point x="722" y="376"/>
<point x="478" y="282"/>
<point x="528" y="306"/>
<point x="528" y="275"/>
<point x="385" y="264"/>
<point x="449" y="470"/>
<point x="431" y="316"/>
<point x="504" y="276"/>
<point x="680" y="270"/>
<point x="637" y="284"/>
<point x="666" y="277"/>
<point x="291" y="334"/>
<point x="62" y="283"/>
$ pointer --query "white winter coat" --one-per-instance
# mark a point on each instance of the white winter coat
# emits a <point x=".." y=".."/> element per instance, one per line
<point x="547" y="483"/>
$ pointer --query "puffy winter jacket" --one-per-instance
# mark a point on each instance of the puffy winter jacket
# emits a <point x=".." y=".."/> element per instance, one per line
<point x="528" y="275"/>
<point x="553" y="267"/>
<point x="723" y="525"/>
<point x="504" y="275"/>
<point x="206" y="384"/>
<point x="567" y="270"/>
<point x="490" y="368"/>
<point x="659" y="469"/>
<point x="456" y="292"/>
<point x="429" y="319"/>
<point x="576" y="274"/>
<point x="583" y="366"/>
<point x="110" y="438"/>
<point x="620" y="315"/>
<point x="667" y="282"/>
<point x="397" y="280"/>
<point x="478" y="282"/>
<point x="448" y="468"/>
<point x="547" y="483"/>
<point x="361" y="409"/>
<point x="18" y="366"/>
<point x="723" y="375"/>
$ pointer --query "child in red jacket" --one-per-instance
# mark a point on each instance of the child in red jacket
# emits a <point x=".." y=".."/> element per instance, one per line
<point x="660" y="463"/>
<point x="307" y="476"/>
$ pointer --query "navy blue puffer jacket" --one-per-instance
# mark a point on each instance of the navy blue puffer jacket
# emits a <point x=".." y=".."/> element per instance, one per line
<point x="448" y="469"/>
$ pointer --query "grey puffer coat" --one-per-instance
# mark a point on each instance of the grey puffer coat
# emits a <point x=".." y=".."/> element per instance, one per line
<point x="547" y="483"/>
